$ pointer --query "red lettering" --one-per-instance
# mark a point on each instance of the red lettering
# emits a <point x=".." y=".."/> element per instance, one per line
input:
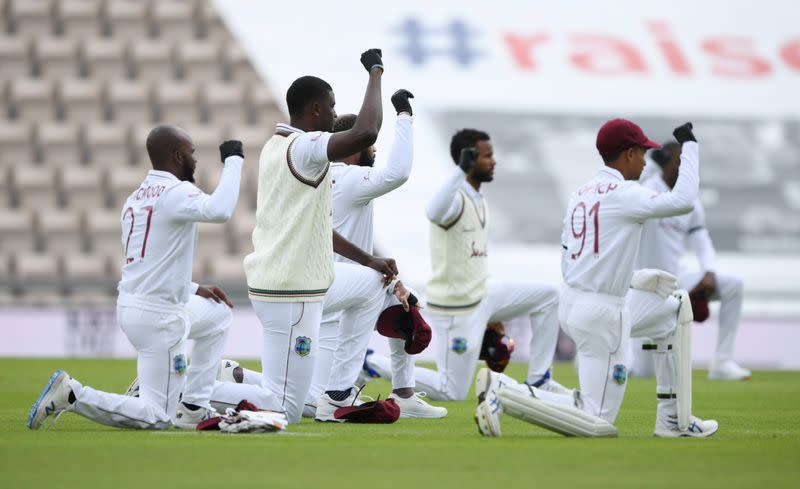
<point x="791" y="53"/>
<point x="735" y="58"/>
<point x="669" y="48"/>
<point x="604" y="55"/>
<point x="522" y="49"/>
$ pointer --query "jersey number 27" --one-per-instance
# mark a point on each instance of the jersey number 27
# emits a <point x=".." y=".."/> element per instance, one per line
<point x="148" y="209"/>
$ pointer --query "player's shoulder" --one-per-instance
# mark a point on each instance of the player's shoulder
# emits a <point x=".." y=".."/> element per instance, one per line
<point x="343" y="171"/>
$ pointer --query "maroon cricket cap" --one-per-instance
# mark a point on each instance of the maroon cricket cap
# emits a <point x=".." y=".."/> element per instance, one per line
<point x="618" y="135"/>
<point x="395" y="322"/>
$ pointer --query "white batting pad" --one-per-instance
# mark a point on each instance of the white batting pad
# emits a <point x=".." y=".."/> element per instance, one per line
<point x="683" y="345"/>
<point x="567" y="420"/>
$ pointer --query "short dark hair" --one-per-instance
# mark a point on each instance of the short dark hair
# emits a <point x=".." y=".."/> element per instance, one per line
<point x="465" y="138"/>
<point x="663" y="154"/>
<point x="609" y="158"/>
<point x="344" y="122"/>
<point x="305" y="90"/>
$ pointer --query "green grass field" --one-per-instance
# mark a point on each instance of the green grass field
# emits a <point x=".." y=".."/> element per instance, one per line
<point x="758" y="444"/>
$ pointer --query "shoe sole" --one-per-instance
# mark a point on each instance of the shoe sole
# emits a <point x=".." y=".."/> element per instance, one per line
<point x="35" y="408"/>
<point x="482" y="418"/>
<point x="422" y="416"/>
<point x="684" y="434"/>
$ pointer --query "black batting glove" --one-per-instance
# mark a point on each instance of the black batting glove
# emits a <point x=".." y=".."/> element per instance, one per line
<point x="371" y="58"/>
<point x="467" y="159"/>
<point x="684" y="133"/>
<point x="400" y="101"/>
<point x="230" y="148"/>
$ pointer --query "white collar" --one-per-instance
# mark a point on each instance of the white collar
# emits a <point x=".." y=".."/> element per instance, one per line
<point x="288" y="128"/>
<point x="470" y="190"/>
<point x="613" y="172"/>
<point x="162" y="174"/>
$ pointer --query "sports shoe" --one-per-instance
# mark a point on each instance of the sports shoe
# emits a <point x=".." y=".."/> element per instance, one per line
<point x="550" y="385"/>
<point x="309" y="410"/>
<point x="53" y="400"/>
<point x="728" y="370"/>
<point x="667" y="427"/>
<point x="187" y="419"/>
<point x="229" y="371"/>
<point x="487" y="414"/>
<point x="326" y="406"/>
<point x="367" y="373"/>
<point x="133" y="389"/>
<point x="416" y="407"/>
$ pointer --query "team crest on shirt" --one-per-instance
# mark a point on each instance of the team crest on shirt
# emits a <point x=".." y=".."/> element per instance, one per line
<point x="302" y="346"/>
<point x="620" y="374"/>
<point x="459" y="345"/>
<point x="179" y="363"/>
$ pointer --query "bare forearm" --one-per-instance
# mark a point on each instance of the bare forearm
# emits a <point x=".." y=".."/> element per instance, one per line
<point x="348" y="250"/>
<point x="370" y="116"/>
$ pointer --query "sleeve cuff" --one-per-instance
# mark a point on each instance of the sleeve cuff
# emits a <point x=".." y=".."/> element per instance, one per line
<point x="194" y="286"/>
<point x="234" y="159"/>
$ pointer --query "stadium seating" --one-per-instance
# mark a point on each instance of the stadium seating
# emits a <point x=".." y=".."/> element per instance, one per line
<point x="82" y="83"/>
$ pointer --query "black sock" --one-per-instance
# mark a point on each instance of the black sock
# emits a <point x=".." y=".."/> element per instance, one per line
<point x="338" y="395"/>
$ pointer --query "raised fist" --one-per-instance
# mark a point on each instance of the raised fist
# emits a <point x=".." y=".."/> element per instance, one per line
<point x="684" y="133"/>
<point x="467" y="159"/>
<point x="230" y="148"/>
<point x="371" y="58"/>
<point x="400" y="101"/>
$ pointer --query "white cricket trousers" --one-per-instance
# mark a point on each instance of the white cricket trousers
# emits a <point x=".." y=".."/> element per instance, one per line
<point x="599" y="324"/>
<point x="730" y="295"/>
<point x="351" y="308"/>
<point x="160" y="341"/>
<point x="399" y="368"/>
<point x="161" y="337"/>
<point x="459" y="338"/>
<point x="209" y="325"/>
<point x="289" y="348"/>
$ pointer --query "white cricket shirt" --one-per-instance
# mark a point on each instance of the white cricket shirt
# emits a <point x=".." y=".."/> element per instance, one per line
<point x="604" y="219"/>
<point x="354" y="188"/>
<point x="664" y="240"/>
<point x="159" y="232"/>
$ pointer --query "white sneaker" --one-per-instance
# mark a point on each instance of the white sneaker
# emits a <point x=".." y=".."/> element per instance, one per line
<point x="309" y="410"/>
<point x="667" y="427"/>
<point x="187" y="419"/>
<point x="226" y="372"/>
<point x="416" y="407"/>
<point x="327" y="406"/>
<point x="487" y="414"/>
<point x="729" y="370"/>
<point x="552" y="386"/>
<point x="133" y="389"/>
<point x="53" y="400"/>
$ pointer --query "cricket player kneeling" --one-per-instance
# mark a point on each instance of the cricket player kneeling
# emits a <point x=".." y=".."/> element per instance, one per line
<point x="658" y="311"/>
